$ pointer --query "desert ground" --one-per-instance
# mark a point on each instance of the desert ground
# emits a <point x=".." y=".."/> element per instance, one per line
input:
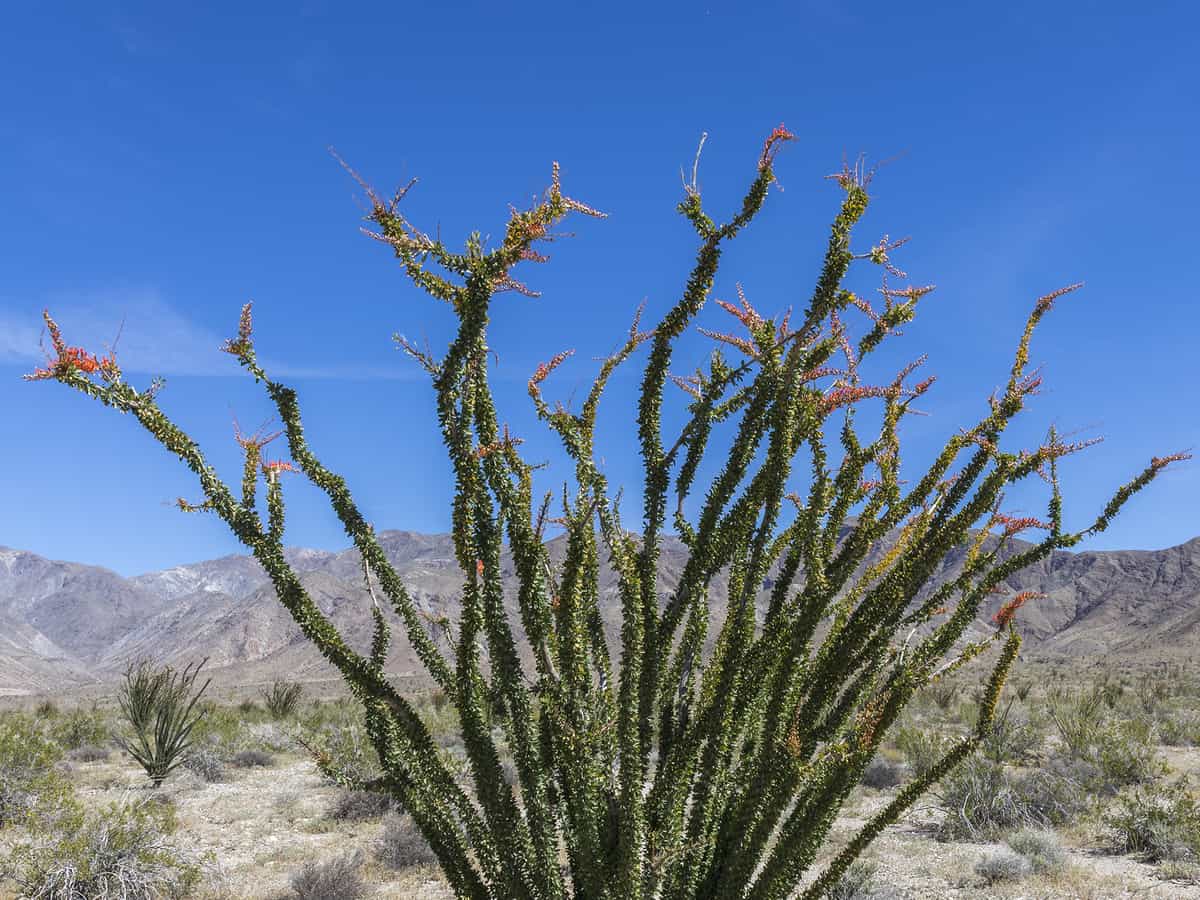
<point x="250" y="810"/>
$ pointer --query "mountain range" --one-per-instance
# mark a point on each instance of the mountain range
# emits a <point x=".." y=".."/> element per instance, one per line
<point x="65" y="625"/>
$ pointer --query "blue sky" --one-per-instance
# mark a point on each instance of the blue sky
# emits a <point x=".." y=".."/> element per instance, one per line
<point x="161" y="166"/>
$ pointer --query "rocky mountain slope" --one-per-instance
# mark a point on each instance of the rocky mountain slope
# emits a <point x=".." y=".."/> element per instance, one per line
<point x="64" y="624"/>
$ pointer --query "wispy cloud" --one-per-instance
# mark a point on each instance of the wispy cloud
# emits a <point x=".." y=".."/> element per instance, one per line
<point x="152" y="337"/>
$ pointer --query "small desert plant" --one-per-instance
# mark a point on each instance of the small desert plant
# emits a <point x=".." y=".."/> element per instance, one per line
<point x="29" y="775"/>
<point x="1003" y="865"/>
<point x="206" y="762"/>
<point x="943" y="692"/>
<point x="121" y="851"/>
<point x="88" y="753"/>
<point x="79" y="727"/>
<point x="343" y="756"/>
<point x="1010" y="738"/>
<point x="859" y="882"/>
<point x="680" y="774"/>
<point x="159" y="705"/>
<point x="249" y="759"/>
<point x="1155" y="822"/>
<point x="282" y="698"/>
<point x="46" y="709"/>
<point x="981" y="799"/>
<point x="335" y="879"/>
<point x="1078" y="716"/>
<point x="921" y="747"/>
<point x="882" y="773"/>
<point x="1181" y="729"/>
<point x="1040" y="846"/>
<point x="1123" y="755"/>
<point x="402" y="845"/>
<point x="358" y="806"/>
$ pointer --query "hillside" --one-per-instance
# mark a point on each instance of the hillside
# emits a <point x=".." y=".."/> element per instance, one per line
<point x="64" y="624"/>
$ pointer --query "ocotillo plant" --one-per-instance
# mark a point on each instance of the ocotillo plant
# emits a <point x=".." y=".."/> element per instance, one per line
<point x="659" y="769"/>
<point x="159" y="704"/>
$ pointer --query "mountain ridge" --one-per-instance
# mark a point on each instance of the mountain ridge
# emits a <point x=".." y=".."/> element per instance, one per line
<point x="66" y="624"/>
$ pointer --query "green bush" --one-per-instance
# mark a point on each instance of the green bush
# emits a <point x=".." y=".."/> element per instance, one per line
<point x="344" y="756"/>
<point x="1040" y="846"/>
<point x="1156" y="822"/>
<point x="1003" y="865"/>
<point x="860" y="881"/>
<point x="120" y="851"/>
<point x="1179" y="729"/>
<point x="981" y="799"/>
<point x="81" y="727"/>
<point x="922" y="747"/>
<point x="29" y="780"/>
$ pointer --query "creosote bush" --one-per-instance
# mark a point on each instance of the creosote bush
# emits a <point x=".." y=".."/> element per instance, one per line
<point x="122" y="850"/>
<point x="657" y="769"/>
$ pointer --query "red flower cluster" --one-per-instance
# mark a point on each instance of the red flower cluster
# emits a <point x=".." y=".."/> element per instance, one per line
<point x="1006" y="612"/>
<point x="771" y="145"/>
<point x="70" y="359"/>
<point x="544" y="369"/>
<point x="1015" y="525"/>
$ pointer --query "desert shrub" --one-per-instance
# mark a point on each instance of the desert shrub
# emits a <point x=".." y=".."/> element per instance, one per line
<point x="159" y="705"/>
<point x="121" y="851"/>
<point x="1051" y="798"/>
<point x="401" y="845"/>
<point x="1123" y="755"/>
<point x="1179" y="870"/>
<point x="981" y="799"/>
<point x="88" y="753"/>
<point x="46" y="709"/>
<point x="1078" y="716"/>
<point x="358" y="806"/>
<point x="1040" y="846"/>
<point x="207" y="762"/>
<point x="922" y="748"/>
<point x="79" y="727"/>
<point x="344" y="756"/>
<point x="860" y="881"/>
<point x="249" y="759"/>
<point x="1010" y="738"/>
<point x="730" y="767"/>
<point x="1152" y="691"/>
<point x="339" y="878"/>
<point x="943" y="693"/>
<point x="267" y="736"/>
<point x="282" y="698"/>
<point x="882" y="773"/>
<point x="1003" y="865"/>
<point x="248" y="708"/>
<point x="1180" y="729"/>
<point x="1155" y="822"/>
<point x="29" y="779"/>
<point x="219" y="726"/>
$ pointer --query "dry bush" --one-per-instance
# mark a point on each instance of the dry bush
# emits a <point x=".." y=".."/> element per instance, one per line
<point x="335" y="879"/>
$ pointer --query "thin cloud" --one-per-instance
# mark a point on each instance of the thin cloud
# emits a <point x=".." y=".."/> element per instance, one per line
<point x="152" y="338"/>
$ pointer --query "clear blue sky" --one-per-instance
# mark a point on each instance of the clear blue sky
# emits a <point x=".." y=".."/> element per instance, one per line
<point x="163" y="166"/>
